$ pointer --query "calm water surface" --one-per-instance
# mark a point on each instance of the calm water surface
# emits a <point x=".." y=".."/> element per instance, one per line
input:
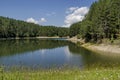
<point x="49" y="53"/>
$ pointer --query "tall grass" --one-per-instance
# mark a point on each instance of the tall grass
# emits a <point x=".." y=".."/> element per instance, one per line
<point x="62" y="74"/>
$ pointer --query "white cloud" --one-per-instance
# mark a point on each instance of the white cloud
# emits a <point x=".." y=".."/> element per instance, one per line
<point x="66" y="25"/>
<point x="42" y="20"/>
<point x="71" y="9"/>
<point x="75" y="14"/>
<point x="32" y="20"/>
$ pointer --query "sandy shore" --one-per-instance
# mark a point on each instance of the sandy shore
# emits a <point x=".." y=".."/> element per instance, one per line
<point x="44" y="37"/>
<point x="75" y="40"/>
<point x="101" y="48"/>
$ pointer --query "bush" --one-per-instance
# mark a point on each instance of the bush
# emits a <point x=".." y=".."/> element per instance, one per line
<point x="79" y="36"/>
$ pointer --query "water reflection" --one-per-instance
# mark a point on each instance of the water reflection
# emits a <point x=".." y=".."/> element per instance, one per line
<point x="49" y="53"/>
<point x="43" y="53"/>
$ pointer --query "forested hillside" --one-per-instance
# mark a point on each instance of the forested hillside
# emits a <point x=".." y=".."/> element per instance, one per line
<point x="102" y="22"/>
<point x="16" y="28"/>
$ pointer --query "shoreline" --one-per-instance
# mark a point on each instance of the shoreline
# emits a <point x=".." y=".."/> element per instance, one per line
<point x="101" y="48"/>
<point x="44" y="37"/>
<point x="104" y="49"/>
<point x="40" y="37"/>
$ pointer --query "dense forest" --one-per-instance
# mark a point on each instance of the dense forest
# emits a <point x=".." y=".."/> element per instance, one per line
<point x="101" y="22"/>
<point x="11" y="28"/>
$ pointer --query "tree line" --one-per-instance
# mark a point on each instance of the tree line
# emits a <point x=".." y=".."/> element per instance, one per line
<point x="102" y="21"/>
<point x="11" y="28"/>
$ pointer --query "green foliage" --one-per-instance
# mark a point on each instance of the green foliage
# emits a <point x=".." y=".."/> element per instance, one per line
<point x="63" y="32"/>
<point x="74" y="29"/>
<point x="11" y="28"/>
<point x="102" y="21"/>
<point x="78" y="36"/>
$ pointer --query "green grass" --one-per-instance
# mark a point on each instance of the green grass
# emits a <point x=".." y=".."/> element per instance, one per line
<point x="62" y="74"/>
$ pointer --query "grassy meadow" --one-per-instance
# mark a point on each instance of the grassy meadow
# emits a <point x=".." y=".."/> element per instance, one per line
<point x="62" y="74"/>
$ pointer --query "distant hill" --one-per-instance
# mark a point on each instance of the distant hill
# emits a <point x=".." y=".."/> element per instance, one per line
<point x="11" y="28"/>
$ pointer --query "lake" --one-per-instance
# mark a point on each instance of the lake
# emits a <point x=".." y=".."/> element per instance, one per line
<point x="49" y="53"/>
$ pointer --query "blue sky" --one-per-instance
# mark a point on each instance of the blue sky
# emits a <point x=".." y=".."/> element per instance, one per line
<point x="46" y="12"/>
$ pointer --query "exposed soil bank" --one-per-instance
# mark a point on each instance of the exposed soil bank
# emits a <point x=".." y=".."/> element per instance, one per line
<point x="108" y="49"/>
<point x="101" y="48"/>
<point x="75" y="40"/>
